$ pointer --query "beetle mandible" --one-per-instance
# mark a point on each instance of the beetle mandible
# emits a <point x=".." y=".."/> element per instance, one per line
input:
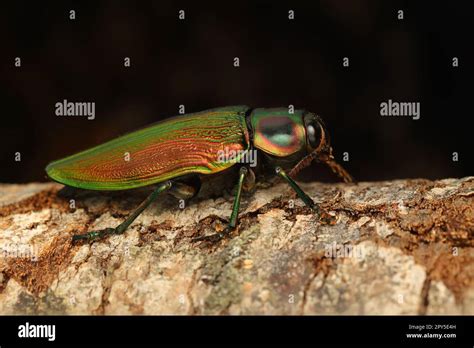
<point x="176" y="153"/>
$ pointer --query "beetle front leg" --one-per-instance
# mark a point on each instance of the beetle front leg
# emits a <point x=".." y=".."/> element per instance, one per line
<point x="304" y="197"/>
<point x="128" y="221"/>
<point x="235" y="212"/>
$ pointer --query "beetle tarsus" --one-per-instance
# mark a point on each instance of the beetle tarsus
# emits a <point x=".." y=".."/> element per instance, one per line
<point x="95" y="234"/>
<point x="214" y="238"/>
<point x="316" y="211"/>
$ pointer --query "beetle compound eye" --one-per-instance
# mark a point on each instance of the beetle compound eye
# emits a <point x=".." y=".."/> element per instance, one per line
<point x="314" y="134"/>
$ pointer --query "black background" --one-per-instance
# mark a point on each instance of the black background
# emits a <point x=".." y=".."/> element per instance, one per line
<point x="282" y="62"/>
<point x="224" y="330"/>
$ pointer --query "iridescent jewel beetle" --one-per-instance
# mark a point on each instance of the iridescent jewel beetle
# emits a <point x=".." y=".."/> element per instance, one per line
<point x="175" y="154"/>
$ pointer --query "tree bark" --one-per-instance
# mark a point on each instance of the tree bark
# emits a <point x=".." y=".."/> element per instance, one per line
<point x="398" y="247"/>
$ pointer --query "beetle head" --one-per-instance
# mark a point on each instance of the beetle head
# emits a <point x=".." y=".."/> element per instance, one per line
<point x="319" y="148"/>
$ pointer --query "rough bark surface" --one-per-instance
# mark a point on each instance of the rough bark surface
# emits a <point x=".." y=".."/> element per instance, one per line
<point x="398" y="247"/>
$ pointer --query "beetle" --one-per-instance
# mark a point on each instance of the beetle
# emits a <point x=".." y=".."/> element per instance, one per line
<point x="177" y="153"/>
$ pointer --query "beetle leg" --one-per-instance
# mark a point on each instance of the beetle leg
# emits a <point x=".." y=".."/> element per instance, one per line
<point x="124" y="225"/>
<point x="235" y="211"/>
<point x="304" y="197"/>
<point x="182" y="190"/>
<point x="250" y="181"/>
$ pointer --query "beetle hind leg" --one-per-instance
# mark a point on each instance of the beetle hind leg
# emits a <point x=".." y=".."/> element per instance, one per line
<point x="185" y="189"/>
<point x="128" y="221"/>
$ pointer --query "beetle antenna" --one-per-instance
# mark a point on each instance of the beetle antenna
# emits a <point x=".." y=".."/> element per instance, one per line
<point x="328" y="158"/>
<point x="325" y="157"/>
<point x="339" y="170"/>
<point x="306" y="161"/>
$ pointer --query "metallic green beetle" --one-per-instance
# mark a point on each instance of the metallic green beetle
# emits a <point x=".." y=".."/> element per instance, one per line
<point x="176" y="153"/>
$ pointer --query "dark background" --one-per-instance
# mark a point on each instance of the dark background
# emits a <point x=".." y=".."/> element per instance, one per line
<point x="282" y="62"/>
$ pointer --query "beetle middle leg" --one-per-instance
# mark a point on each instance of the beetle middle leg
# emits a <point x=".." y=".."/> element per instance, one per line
<point x="235" y="211"/>
<point x="128" y="221"/>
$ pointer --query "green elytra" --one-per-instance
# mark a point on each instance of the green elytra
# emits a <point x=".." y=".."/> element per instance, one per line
<point x="176" y="153"/>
